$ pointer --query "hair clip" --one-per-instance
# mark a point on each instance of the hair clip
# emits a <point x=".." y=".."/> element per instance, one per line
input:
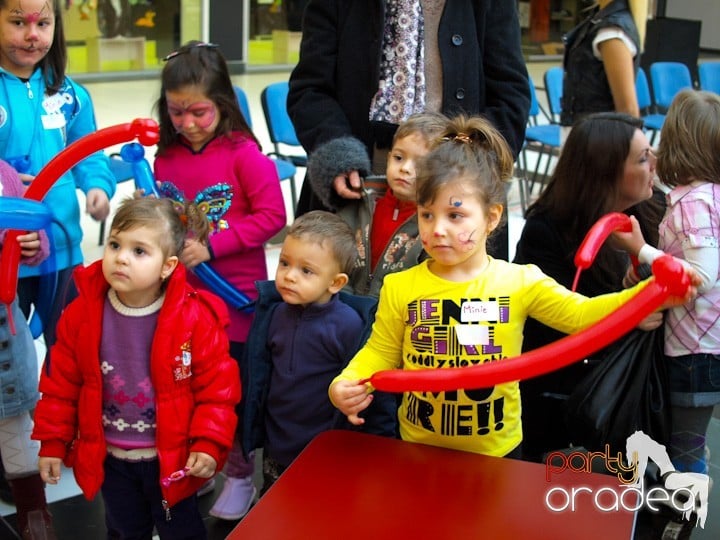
<point x="188" y="48"/>
<point x="458" y="137"/>
<point x="462" y="137"/>
<point x="174" y="477"/>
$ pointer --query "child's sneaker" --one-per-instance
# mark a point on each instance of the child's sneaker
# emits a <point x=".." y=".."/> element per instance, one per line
<point x="235" y="500"/>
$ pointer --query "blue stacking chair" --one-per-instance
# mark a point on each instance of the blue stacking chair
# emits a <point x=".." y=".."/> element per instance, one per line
<point x="285" y="168"/>
<point x="281" y="129"/>
<point x="667" y="79"/>
<point x="709" y="75"/>
<point x="553" y="79"/>
<point x="653" y="120"/>
<point x="544" y="139"/>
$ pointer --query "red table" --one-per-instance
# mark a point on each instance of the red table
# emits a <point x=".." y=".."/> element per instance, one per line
<point x="348" y="485"/>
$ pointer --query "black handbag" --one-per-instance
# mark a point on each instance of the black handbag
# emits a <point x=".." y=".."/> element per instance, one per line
<point x="626" y="392"/>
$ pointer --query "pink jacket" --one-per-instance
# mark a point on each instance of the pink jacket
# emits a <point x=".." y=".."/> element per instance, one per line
<point x="193" y="414"/>
<point x="237" y="187"/>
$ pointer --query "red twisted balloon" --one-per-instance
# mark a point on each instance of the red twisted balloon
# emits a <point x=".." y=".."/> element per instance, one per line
<point x="670" y="280"/>
<point x="593" y="241"/>
<point x="144" y="129"/>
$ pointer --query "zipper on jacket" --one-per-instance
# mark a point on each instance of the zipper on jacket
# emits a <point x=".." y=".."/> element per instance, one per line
<point x="29" y="89"/>
<point x="167" y="510"/>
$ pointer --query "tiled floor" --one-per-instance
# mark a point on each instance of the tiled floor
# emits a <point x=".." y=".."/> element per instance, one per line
<point x="77" y="519"/>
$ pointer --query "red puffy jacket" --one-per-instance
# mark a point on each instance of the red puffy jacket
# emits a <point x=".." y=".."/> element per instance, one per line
<point x="193" y="414"/>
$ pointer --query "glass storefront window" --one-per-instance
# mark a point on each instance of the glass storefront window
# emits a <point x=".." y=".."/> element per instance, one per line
<point x="115" y="36"/>
<point x="120" y="35"/>
<point x="274" y="31"/>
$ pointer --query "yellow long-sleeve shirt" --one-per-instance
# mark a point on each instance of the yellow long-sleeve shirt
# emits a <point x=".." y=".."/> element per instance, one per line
<point x="424" y="321"/>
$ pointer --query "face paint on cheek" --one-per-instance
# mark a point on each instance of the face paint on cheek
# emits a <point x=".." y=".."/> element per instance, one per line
<point x="198" y="115"/>
<point x="206" y="119"/>
<point x="425" y="239"/>
<point x="467" y="242"/>
<point x="177" y="123"/>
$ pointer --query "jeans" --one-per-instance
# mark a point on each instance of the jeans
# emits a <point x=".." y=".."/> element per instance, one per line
<point x="694" y="380"/>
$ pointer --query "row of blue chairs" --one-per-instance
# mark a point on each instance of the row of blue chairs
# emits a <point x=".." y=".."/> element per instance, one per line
<point x="666" y="80"/>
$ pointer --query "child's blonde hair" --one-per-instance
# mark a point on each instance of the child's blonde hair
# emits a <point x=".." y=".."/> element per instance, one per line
<point x="174" y="221"/>
<point x="326" y="228"/>
<point x="428" y="124"/>
<point x="471" y="150"/>
<point x="689" y="146"/>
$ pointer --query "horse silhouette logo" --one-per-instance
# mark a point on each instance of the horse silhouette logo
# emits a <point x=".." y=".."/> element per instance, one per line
<point x="640" y="447"/>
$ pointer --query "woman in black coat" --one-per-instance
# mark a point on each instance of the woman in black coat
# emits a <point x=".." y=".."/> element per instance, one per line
<point x="472" y="62"/>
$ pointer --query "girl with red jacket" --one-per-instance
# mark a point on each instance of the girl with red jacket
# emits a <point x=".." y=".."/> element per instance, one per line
<point x="140" y="382"/>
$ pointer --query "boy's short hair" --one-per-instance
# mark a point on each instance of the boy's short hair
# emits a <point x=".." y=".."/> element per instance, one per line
<point x="428" y="124"/>
<point x="327" y="228"/>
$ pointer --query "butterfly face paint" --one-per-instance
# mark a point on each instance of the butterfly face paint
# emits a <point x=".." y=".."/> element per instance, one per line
<point x="201" y="115"/>
<point x="193" y="115"/>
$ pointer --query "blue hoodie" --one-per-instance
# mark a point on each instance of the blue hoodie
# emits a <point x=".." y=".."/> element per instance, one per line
<point x="36" y="127"/>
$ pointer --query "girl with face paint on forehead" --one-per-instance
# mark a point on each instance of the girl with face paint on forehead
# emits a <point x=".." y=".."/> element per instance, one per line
<point x="462" y="307"/>
<point x="207" y="153"/>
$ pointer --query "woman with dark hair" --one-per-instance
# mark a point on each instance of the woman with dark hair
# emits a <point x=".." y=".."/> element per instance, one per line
<point x="606" y="165"/>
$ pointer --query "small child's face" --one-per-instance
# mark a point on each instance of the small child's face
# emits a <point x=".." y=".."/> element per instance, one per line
<point x="135" y="266"/>
<point x="27" y="29"/>
<point x="307" y="272"/>
<point x="193" y="115"/>
<point x="454" y="227"/>
<point x="402" y="160"/>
